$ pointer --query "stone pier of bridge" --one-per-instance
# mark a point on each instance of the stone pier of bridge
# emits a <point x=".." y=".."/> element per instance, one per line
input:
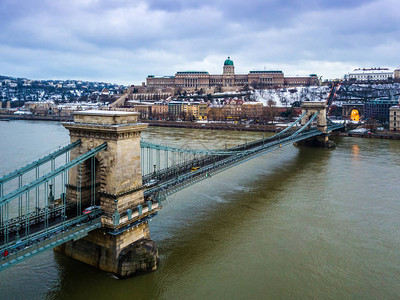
<point x="310" y="108"/>
<point x="122" y="245"/>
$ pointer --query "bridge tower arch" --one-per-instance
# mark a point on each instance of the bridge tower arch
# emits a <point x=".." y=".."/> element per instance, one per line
<point x="310" y="109"/>
<point x="122" y="246"/>
<point x="89" y="176"/>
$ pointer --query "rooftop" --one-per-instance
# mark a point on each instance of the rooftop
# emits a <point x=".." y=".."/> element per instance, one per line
<point x="383" y="100"/>
<point x="228" y="62"/>
<point x="192" y="72"/>
<point x="105" y="113"/>
<point x="154" y="76"/>
<point x="104" y="118"/>
<point x="371" y="71"/>
<point x="264" y="71"/>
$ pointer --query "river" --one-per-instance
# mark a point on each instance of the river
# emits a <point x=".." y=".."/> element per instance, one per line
<point x="296" y="223"/>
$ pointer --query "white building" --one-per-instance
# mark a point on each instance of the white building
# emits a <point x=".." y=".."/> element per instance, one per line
<point x="372" y="74"/>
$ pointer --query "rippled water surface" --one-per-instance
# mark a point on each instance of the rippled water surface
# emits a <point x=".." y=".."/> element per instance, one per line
<point x="294" y="223"/>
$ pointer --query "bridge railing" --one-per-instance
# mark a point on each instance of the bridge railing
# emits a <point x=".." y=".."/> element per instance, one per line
<point x="42" y="241"/>
<point x="305" y="126"/>
<point x="175" y="178"/>
<point x="173" y="184"/>
<point x="160" y="159"/>
<point x="177" y="160"/>
<point x="36" y="165"/>
<point x="213" y="156"/>
<point x="32" y="210"/>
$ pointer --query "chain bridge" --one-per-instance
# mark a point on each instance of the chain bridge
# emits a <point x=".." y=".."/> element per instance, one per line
<point x="93" y="198"/>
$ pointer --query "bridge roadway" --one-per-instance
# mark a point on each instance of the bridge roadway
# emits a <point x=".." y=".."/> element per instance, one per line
<point x="47" y="231"/>
<point x="41" y="219"/>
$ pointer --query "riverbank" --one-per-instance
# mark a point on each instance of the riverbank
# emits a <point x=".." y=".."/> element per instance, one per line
<point x="390" y="136"/>
<point x="37" y="118"/>
<point x="192" y="125"/>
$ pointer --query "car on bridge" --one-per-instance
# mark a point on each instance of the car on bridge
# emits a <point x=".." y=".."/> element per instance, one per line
<point x="194" y="169"/>
<point x="150" y="183"/>
<point x="89" y="210"/>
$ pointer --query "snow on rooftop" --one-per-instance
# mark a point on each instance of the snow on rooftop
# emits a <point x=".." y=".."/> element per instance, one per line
<point x="286" y="97"/>
<point x="251" y="103"/>
<point x="371" y="71"/>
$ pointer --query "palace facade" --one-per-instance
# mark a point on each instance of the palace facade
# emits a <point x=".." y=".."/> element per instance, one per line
<point x="228" y="79"/>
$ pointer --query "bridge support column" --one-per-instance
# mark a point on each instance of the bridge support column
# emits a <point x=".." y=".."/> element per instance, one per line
<point x="319" y="141"/>
<point x="122" y="246"/>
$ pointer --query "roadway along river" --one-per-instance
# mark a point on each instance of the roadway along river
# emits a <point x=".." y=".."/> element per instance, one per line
<point x="295" y="223"/>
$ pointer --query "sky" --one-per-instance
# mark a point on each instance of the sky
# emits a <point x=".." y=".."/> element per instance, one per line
<point x="124" y="41"/>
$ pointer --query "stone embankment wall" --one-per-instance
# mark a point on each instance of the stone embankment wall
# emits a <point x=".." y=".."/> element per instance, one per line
<point x="215" y="126"/>
<point x="38" y="118"/>
<point x="390" y="136"/>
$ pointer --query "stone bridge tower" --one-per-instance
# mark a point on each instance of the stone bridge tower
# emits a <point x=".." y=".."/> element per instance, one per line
<point x="310" y="108"/>
<point x="122" y="246"/>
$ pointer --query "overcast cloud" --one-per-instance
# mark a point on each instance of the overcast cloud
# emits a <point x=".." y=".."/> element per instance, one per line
<point x="123" y="41"/>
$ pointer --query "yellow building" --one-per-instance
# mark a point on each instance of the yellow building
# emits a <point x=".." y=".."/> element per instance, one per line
<point x="191" y="109"/>
<point x="203" y="111"/>
<point x="252" y="110"/>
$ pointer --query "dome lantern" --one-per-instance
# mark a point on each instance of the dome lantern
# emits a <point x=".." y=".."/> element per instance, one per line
<point x="228" y="62"/>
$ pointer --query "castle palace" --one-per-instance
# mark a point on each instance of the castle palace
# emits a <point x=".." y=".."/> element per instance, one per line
<point x="194" y="80"/>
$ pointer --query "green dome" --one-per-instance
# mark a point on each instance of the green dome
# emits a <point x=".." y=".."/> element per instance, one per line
<point x="228" y="62"/>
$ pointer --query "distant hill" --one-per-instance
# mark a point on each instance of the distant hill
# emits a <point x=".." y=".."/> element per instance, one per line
<point x="104" y="84"/>
<point x="22" y="90"/>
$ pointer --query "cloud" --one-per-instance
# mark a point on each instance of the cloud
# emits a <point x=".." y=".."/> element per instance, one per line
<point x="124" y="41"/>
